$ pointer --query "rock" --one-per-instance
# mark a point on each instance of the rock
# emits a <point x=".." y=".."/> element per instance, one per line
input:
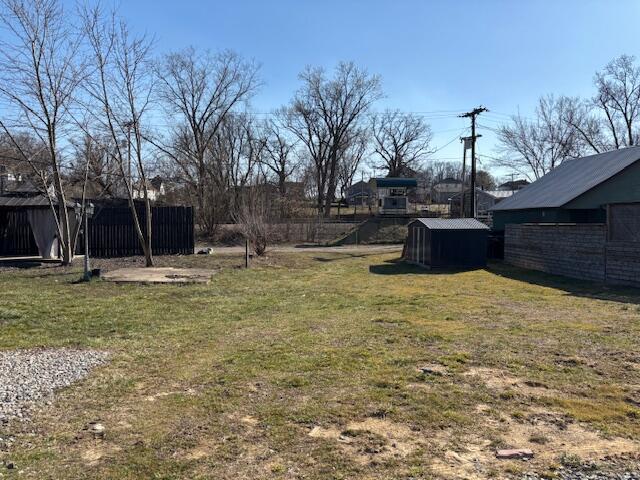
<point x="514" y="453"/>
<point x="97" y="429"/>
<point x="436" y="370"/>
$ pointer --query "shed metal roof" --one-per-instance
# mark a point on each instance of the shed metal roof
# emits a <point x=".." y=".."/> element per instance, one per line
<point x="452" y="223"/>
<point x="38" y="201"/>
<point x="570" y="180"/>
<point x="395" y="182"/>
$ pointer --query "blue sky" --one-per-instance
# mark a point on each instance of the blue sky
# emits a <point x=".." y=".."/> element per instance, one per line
<point x="432" y="55"/>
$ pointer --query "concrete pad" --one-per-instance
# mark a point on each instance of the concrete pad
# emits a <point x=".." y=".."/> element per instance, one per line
<point x="159" y="275"/>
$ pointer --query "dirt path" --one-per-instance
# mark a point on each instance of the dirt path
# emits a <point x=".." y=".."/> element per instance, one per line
<point x="217" y="250"/>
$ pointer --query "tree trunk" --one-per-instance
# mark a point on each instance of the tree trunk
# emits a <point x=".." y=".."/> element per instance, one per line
<point x="63" y="215"/>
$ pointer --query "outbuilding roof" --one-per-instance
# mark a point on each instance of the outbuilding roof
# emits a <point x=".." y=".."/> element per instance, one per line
<point x="38" y="201"/>
<point x="452" y="223"/>
<point x="389" y="182"/>
<point x="570" y="179"/>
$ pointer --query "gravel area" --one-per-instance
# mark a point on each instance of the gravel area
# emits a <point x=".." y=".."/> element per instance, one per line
<point x="613" y="470"/>
<point x="31" y="376"/>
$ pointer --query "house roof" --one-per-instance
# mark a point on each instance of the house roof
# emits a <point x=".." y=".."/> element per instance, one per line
<point x="449" y="180"/>
<point x="452" y="223"/>
<point x="513" y="185"/>
<point x="570" y="180"/>
<point x="496" y="194"/>
<point x="395" y="182"/>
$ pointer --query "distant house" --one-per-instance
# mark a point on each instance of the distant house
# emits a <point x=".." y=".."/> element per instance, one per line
<point x="155" y="189"/>
<point x="358" y="194"/>
<point x="485" y="200"/>
<point x="442" y="191"/>
<point x="513" y="185"/>
<point x="9" y="179"/>
<point x="577" y="191"/>
<point x="391" y="195"/>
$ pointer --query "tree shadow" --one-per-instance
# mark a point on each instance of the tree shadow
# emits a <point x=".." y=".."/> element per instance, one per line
<point x="572" y="286"/>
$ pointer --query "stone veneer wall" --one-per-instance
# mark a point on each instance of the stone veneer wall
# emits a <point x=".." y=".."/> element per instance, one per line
<point x="573" y="250"/>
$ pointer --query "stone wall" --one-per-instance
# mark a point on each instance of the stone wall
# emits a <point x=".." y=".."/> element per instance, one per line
<point x="294" y="232"/>
<point x="573" y="250"/>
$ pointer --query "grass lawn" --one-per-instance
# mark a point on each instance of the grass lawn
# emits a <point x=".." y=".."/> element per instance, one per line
<point x="309" y="366"/>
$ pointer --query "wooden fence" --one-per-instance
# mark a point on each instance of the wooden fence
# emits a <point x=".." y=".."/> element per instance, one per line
<point x="16" y="239"/>
<point x="111" y="232"/>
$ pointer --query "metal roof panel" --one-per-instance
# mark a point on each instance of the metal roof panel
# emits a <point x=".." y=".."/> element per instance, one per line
<point x="452" y="223"/>
<point x="570" y="179"/>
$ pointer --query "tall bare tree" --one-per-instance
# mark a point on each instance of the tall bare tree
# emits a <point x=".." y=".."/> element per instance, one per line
<point x="401" y="141"/>
<point x="324" y="114"/>
<point x="120" y="91"/>
<point x="350" y="161"/>
<point x="39" y="73"/>
<point x="534" y="147"/>
<point x="198" y="91"/>
<point x="280" y="156"/>
<point x="610" y="119"/>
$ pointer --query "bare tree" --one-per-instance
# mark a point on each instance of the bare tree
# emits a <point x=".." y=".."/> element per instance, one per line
<point x="534" y="147"/>
<point x="252" y="216"/>
<point x="120" y="91"/>
<point x="401" y="141"/>
<point x="618" y="99"/>
<point x="94" y="165"/>
<point x="198" y="91"/>
<point x="233" y="158"/>
<point x="280" y="156"/>
<point x="350" y="161"/>
<point x="324" y="114"/>
<point x="40" y="73"/>
<point x="609" y="120"/>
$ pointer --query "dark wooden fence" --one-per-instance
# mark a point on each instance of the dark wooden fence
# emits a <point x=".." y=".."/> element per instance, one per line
<point x="16" y="239"/>
<point x="111" y="232"/>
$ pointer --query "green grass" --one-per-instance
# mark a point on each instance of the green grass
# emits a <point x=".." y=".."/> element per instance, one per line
<point x="227" y="380"/>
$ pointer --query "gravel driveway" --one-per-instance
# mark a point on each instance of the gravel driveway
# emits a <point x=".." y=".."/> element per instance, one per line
<point x="31" y="376"/>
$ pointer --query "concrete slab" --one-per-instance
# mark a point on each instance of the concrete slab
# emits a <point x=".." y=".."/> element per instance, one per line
<point x="159" y="275"/>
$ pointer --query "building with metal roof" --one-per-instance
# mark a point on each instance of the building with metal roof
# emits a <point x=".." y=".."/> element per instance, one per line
<point x="439" y="242"/>
<point x="391" y="194"/>
<point x="577" y="191"/>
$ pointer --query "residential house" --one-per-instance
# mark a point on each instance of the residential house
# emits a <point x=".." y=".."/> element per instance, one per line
<point x="391" y="195"/>
<point x="445" y="189"/>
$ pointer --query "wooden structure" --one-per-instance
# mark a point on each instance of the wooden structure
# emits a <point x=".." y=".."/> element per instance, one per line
<point x="111" y="230"/>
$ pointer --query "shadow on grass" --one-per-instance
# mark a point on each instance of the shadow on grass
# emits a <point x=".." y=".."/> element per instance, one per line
<point x="572" y="286"/>
<point x="342" y="255"/>
<point x="400" y="267"/>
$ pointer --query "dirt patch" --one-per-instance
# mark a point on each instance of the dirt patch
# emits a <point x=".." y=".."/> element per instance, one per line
<point x="372" y="439"/>
<point x="158" y="395"/>
<point x="95" y="454"/>
<point x="502" y="381"/>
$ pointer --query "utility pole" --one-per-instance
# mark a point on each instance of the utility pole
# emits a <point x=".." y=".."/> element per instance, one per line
<point x="472" y="115"/>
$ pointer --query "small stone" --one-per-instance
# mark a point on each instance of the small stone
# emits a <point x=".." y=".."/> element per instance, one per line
<point x="10" y="465"/>
<point x="97" y="429"/>
<point x="514" y="453"/>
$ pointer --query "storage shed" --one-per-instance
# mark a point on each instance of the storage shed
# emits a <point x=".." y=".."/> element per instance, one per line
<point x="437" y="242"/>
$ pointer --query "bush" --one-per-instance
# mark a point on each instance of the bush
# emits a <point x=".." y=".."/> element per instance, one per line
<point x="252" y="221"/>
